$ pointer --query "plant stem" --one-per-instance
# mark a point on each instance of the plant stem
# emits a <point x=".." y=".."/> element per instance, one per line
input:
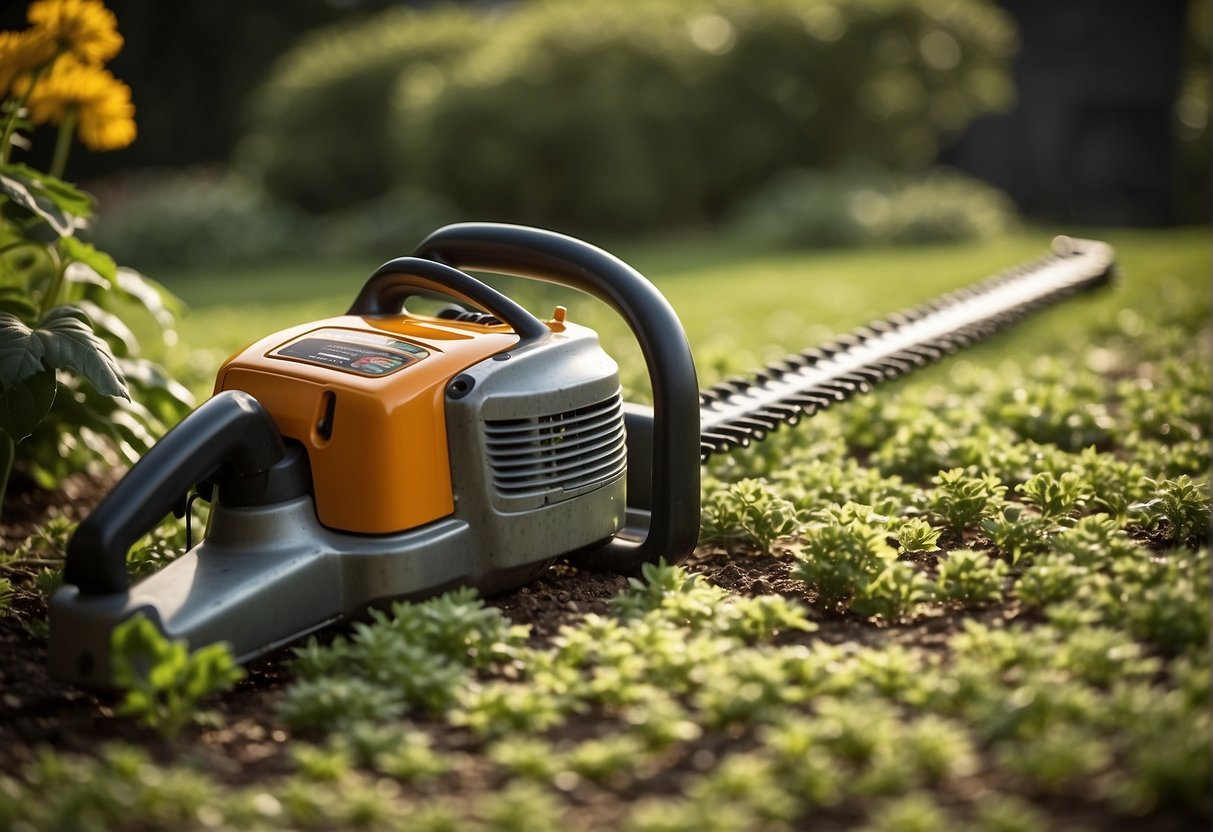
<point x="17" y="102"/>
<point x="8" y="450"/>
<point x="52" y="291"/>
<point x="63" y="143"/>
<point x="10" y="125"/>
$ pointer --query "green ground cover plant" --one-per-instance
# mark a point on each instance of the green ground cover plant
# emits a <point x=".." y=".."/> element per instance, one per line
<point x="925" y="609"/>
<point x="76" y="384"/>
<point x="164" y="680"/>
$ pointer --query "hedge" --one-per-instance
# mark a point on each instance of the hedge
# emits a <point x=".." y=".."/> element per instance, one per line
<point x="621" y="115"/>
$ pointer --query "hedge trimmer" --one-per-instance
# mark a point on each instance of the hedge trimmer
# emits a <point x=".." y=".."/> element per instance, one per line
<point x="383" y="454"/>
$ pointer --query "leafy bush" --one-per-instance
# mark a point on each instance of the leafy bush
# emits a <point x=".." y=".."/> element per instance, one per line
<point x="687" y="599"/>
<point x="320" y="126"/>
<point x="1056" y="498"/>
<point x="856" y="207"/>
<point x="194" y="218"/>
<point x="1096" y="540"/>
<point x="1051" y="579"/>
<point x="1061" y="407"/>
<point x="625" y="116"/>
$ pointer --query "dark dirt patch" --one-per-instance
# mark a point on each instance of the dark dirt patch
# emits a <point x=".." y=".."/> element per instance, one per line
<point x="562" y="595"/>
<point x="26" y="506"/>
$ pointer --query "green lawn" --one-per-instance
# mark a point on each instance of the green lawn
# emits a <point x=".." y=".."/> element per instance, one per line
<point x="750" y="303"/>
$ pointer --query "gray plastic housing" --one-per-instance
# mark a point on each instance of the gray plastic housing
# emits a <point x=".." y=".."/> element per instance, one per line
<point x="265" y="576"/>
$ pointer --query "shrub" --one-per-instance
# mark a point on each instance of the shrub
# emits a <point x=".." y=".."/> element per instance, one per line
<point x="319" y="133"/>
<point x="686" y="599"/>
<point x="416" y="656"/>
<point x="623" y="115"/>
<point x="1052" y="578"/>
<point x="857" y="207"/>
<point x="194" y="218"/>
<point x="1096" y="541"/>
<point x="1056" y="498"/>
<point x="1017" y="533"/>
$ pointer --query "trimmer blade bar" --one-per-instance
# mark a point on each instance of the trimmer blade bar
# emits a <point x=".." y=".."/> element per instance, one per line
<point x="741" y="410"/>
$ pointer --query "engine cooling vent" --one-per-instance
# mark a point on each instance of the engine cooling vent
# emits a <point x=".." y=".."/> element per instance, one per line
<point x="560" y="455"/>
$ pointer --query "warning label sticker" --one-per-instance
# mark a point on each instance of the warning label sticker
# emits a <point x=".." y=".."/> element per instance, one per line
<point x="362" y="353"/>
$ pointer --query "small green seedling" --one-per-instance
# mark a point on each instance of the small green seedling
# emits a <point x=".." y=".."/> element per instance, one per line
<point x="748" y="512"/>
<point x="1018" y="533"/>
<point x="1181" y="504"/>
<point x="163" y="680"/>
<point x="962" y="501"/>
<point x="917" y="536"/>
<point x="970" y="577"/>
<point x="840" y="557"/>
<point x="1056" y="498"/>
<point x="895" y="593"/>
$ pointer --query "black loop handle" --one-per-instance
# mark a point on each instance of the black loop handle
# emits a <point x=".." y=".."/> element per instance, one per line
<point x="228" y="431"/>
<point x="557" y="258"/>
<point x="385" y="292"/>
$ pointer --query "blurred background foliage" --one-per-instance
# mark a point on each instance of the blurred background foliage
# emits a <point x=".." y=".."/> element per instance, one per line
<point x="352" y="127"/>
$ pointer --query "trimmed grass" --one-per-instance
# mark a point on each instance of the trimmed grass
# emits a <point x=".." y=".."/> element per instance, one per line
<point x="753" y="305"/>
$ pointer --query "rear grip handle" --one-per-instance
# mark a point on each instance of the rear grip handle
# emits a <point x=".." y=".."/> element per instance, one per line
<point x="385" y="292"/>
<point x="557" y="258"/>
<point x="231" y="429"/>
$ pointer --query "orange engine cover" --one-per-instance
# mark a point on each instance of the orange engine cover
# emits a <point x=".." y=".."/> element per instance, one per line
<point x="365" y="397"/>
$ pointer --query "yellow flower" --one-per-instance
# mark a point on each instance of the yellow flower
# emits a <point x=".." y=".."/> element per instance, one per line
<point x="105" y="116"/>
<point x="83" y="28"/>
<point x="20" y="54"/>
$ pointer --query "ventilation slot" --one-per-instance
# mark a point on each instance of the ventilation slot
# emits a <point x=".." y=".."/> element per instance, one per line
<point x="558" y="455"/>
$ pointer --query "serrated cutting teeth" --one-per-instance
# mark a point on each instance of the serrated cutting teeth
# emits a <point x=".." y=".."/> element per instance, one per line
<point x="740" y="410"/>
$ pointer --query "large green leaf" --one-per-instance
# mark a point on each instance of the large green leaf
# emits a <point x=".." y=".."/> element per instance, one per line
<point x="117" y="334"/>
<point x="153" y="387"/>
<point x="28" y="195"/>
<point x="21" y="352"/>
<point x="25" y="264"/>
<point x="85" y="253"/>
<point x="70" y="201"/>
<point x="69" y="342"/>
<point x="17" y="302"/>
<point x="163" y="305"/>
<point x="25" y="402"/>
